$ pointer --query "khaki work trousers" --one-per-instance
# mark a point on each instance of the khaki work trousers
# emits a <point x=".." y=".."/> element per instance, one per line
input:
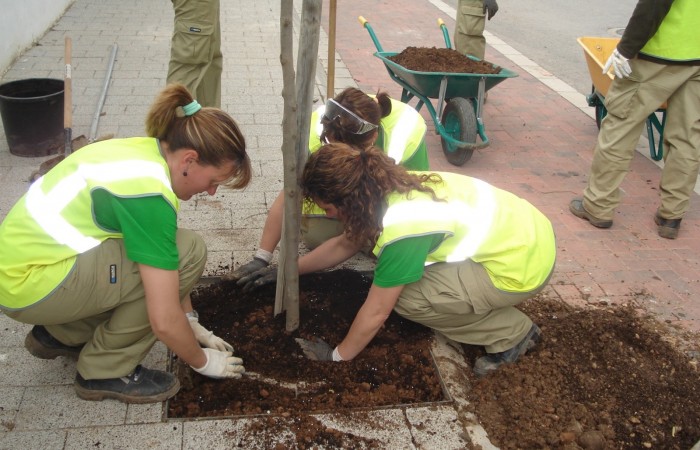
<point x="469" y="32"/>
<point x="317" y="230"/>
<point x="196" y="60"/>
<point x="102" y="304"/>
<point x="629" y="102"/>
<point x="460" y="301"/>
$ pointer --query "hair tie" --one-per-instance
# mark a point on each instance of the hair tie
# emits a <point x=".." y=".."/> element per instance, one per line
<point x="188" y="109"/>
<point x="363" y="156"/>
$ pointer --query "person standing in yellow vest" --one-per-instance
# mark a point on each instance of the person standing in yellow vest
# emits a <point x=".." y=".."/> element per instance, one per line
<point x="92" y="255"/>
<point x="196" y="60"/>
<point x="357" y="119"/>
<point x="656" y="61"/>
<point x="453" y="253"/>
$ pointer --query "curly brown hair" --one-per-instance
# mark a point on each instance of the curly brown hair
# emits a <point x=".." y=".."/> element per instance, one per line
<point x="364" y="106"/>
<point x="357" y="181"/>
<point x="211" y="132"/>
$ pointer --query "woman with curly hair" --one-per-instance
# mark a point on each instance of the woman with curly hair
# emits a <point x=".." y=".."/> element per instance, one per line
<point x="453" y="252"/>
<point x="92" y="255"/>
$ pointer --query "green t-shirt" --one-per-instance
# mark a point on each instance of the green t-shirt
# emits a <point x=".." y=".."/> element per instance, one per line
<point x="417" y="161"/>
<point x="403" y="261"/>
<point x="148" y="224"/>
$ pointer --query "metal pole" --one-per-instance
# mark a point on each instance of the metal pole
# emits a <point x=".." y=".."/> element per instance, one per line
<point x="101" y="101"/>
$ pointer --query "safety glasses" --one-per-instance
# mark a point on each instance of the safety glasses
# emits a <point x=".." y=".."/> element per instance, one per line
<point x="355" y="124"/>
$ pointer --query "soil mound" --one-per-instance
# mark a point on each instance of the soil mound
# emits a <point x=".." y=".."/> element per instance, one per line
<point x="432" y="59"/>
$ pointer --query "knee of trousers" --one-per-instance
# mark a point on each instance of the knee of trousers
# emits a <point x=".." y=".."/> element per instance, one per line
<point x="192" y="249"/>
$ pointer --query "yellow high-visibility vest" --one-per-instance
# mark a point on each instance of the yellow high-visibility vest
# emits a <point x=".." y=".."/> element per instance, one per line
<point x="506" y="234"/>
<point x="678" y="36"/>
<point x="54" y="221"/>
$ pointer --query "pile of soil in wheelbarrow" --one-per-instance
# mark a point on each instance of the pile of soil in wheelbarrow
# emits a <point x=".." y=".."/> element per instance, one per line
<point x="602" y="377"/>
<point x="432" y="59"/>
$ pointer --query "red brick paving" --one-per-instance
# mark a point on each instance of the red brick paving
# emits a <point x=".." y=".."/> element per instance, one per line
<point x="541" y="149"/>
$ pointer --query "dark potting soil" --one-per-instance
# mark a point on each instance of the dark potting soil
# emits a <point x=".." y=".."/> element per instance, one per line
<point x="602" y="377"/>
<point x="396" y="368"/>
<point x="432" y="59"/>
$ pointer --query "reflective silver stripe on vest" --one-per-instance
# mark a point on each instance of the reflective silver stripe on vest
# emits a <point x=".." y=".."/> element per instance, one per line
<point x="401" y="133"/>
<point x="45" y="208"/>
<point x="475" y="218"/>
<point x="319" y="127"/>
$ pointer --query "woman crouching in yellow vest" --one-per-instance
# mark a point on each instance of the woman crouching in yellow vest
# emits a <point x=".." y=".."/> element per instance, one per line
<point x="360" y="120"/>
<point x="453" y="252"/>
<point x="92" y="255"/>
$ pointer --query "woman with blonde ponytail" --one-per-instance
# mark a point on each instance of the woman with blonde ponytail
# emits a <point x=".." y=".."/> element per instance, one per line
<point x="92" y="255"/>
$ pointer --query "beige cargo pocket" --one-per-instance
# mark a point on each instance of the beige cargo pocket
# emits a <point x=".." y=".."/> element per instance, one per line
<point x="191" y="43"/>
<point x="447" y="300"/>
<point x="622" y="98"/>
<point x="472" y="23"/>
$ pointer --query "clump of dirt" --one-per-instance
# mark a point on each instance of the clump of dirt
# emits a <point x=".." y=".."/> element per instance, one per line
<point x="601" y="378"/>
<point x="306" y="432"/>
<point x="432" y="59"/>
<point x="396" y="368"/>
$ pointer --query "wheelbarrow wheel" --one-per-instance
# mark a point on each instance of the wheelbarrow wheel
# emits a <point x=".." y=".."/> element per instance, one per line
<point x="459" y="121"/>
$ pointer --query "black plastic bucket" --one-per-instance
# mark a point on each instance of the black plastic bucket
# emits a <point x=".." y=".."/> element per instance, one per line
<point x="32" y="115"/>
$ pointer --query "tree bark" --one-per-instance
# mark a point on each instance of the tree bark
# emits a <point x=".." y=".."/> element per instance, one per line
<point x="295" y="143"/>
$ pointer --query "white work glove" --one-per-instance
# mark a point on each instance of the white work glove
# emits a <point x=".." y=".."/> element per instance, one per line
<point x="221" y="365"/>
<point x="619" y="63"/>
<point x="208" y="338"/>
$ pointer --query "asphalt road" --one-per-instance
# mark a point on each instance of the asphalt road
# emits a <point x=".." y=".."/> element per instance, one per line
<point x="545" y="31"/>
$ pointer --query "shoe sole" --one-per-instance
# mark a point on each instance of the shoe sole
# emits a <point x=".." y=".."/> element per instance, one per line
<point x="583" y="214"/>
<point x="38" y="350"/>
<point x="97" y="395"/>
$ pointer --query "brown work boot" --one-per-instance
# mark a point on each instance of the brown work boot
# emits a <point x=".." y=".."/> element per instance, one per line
<point x="667" y="228"/>
<point x="492" y="361"/>
<point x="577" y="209"/>
<point x="41" y="344"/>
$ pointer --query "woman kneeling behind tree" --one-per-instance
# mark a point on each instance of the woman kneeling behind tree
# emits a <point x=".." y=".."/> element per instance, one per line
<point x="92" y="256"/>
<point x="357" y="119"/>
<point x="453" y="252"/>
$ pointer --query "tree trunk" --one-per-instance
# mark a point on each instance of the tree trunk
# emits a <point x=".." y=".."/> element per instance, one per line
<point x="295" y="143"/>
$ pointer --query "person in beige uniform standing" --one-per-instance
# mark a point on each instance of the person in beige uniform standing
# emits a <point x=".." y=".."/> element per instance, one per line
<point x="656" y="61"/>
<point x="196" y="60"/>
<point x="469" y="29"/>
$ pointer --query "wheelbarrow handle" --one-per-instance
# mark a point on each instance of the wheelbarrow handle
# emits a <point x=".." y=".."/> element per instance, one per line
<point x="367" y="26"/>
<point x="445" y="32"/>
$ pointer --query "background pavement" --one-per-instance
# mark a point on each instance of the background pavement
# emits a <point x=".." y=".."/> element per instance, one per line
<point x="542" y="136"/>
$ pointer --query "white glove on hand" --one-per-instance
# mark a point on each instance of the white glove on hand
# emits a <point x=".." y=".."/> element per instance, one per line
<point x="208" y="338"/>
<point x="221" y="365"/>
<point x="619" y="63"/>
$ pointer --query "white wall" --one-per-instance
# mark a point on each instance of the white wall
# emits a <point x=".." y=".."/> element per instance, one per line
<point x="23" y="22"/>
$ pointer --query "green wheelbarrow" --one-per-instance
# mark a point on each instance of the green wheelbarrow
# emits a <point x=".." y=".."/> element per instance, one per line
<point x="460" y="99"/>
